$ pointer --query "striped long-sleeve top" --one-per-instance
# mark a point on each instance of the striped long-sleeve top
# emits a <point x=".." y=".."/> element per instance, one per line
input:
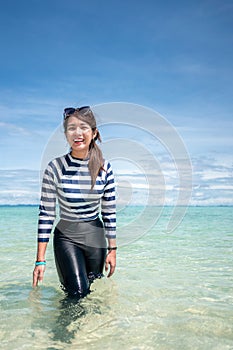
<point x="67" y="181"/>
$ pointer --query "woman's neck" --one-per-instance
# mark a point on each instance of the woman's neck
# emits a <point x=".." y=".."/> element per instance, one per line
<point x="79" y="155"/>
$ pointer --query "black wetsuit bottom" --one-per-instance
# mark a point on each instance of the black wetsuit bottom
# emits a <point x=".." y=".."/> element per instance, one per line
<point x="80" y="251"/>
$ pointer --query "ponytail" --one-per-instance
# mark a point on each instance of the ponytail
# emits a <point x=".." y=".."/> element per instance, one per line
<point x="96" y="161"/>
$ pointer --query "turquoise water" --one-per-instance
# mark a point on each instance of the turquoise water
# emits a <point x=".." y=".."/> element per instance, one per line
<point x="170" y="291"/>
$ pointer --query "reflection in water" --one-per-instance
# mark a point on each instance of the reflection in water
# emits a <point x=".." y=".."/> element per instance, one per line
<point x="62" y="319"/>
<point x="70" y="311"/>
<point x="58" y="314"/>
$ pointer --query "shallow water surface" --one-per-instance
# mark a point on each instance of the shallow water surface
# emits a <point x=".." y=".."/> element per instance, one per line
<point x="170" y="291"/>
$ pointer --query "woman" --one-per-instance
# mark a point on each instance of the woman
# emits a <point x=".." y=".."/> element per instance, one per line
<point x="83" y="183"/>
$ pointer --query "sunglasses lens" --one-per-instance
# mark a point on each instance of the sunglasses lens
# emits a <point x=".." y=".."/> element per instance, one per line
<point x="83" y="109"/>
<point x="70" y="110"/>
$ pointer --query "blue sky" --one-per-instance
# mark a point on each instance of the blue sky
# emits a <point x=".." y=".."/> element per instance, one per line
<point x="172" y="57"/>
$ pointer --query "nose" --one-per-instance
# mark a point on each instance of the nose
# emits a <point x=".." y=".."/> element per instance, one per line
<point x="79" y="131"/>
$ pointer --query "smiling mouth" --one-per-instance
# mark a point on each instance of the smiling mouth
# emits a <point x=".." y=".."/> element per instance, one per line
<point x="77" y="141"/>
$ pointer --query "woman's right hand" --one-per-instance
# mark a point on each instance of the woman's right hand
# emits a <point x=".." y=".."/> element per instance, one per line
<point x="38" y="274"/>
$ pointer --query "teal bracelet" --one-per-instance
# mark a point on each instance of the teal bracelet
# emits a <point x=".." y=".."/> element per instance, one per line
<point x="37" y="263"/>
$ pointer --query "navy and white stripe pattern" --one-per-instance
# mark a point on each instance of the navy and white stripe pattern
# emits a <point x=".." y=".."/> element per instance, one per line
<point x="68" y="180"/>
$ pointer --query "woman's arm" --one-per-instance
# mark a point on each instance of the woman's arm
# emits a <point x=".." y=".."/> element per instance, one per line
<point x="46" y="219"/>
<point x="110" y="261"/>
<point x="108" y="211"/>
<point x="39" y="270"/>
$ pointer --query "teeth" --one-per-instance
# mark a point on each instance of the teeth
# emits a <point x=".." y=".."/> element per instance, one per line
<point x="78" y="140"/>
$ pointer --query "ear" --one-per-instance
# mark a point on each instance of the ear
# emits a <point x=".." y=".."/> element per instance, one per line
<point x="95" y="134"/>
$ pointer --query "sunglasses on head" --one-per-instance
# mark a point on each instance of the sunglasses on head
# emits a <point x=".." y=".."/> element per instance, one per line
<point x="70" y="110"/>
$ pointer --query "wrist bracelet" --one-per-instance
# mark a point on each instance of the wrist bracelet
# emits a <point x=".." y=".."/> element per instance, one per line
<point x="112" y="248"/>
<point x="37" y="263"/>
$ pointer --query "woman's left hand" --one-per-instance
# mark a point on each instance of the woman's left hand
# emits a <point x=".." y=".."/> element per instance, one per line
<point x="110" y="261"/>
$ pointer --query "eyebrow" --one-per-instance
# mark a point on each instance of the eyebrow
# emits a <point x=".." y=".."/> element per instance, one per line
<point x="81" y="124"/>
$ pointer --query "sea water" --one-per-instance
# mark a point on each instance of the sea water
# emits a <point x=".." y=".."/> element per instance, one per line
<point x="171" y="291"/>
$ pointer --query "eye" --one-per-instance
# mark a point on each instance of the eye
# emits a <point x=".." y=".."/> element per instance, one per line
<point x="85" y="128"/>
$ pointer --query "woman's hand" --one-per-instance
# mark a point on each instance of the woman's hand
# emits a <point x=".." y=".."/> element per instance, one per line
<point x="38" y="274"/>
<point x="110" y="261"/>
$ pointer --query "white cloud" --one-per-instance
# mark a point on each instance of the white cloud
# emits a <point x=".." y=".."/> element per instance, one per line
<point x="213" y="174"/>
<point x="212" y="185"/>
<point x="15" y="197"/>
<point x="13" y="130"/>
<point x="19" y="187"/>
<point x="145" y="164"/>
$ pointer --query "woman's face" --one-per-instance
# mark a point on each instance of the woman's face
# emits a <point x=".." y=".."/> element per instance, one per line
<point x="79" y="136"/>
